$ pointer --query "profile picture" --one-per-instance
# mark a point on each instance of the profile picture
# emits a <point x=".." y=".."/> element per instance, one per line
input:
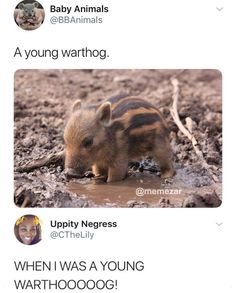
<point x="28" y="229"/>
<point x="29" y="15"/>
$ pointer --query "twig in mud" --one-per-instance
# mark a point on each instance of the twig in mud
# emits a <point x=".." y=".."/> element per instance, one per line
<point x="25" y="202"/>
<point x="189" y="123"/>
<point x="56" y="159"/>
<point x="180" y="72"/>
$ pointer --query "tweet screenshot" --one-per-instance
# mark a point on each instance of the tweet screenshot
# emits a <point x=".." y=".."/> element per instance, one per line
<point x="118" y="146"/>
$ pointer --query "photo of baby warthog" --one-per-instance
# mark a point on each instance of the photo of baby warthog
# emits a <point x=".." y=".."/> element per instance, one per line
<point x="118" y="138"/>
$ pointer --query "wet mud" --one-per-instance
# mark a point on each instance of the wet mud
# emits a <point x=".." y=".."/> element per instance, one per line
<point x="42" y="103"/>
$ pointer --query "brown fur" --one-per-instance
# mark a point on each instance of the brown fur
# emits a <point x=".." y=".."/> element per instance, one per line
<point x="110" y="136"/>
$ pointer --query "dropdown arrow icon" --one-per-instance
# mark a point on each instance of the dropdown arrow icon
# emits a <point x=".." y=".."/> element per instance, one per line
<point x="219" y="8"/>
<point x="219" y="224"/>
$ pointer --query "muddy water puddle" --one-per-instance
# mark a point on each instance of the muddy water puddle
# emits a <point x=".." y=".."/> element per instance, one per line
<point x="140" y="190"/>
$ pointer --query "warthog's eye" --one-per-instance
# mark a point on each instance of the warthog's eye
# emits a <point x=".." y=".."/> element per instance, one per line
<point x="87" y="142"/>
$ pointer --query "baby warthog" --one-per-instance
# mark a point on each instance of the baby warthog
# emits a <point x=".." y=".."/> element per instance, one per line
<point x="109" y="136"/>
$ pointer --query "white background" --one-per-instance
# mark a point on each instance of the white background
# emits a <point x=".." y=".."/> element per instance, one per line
<point x="184" y="250"/>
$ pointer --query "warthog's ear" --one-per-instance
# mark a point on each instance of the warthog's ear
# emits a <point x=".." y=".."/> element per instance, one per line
<point x="76" y="106"/>
<point x="36" y="4"/>
<point x="21" y="6"/>
<point x="103" y="113"/>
